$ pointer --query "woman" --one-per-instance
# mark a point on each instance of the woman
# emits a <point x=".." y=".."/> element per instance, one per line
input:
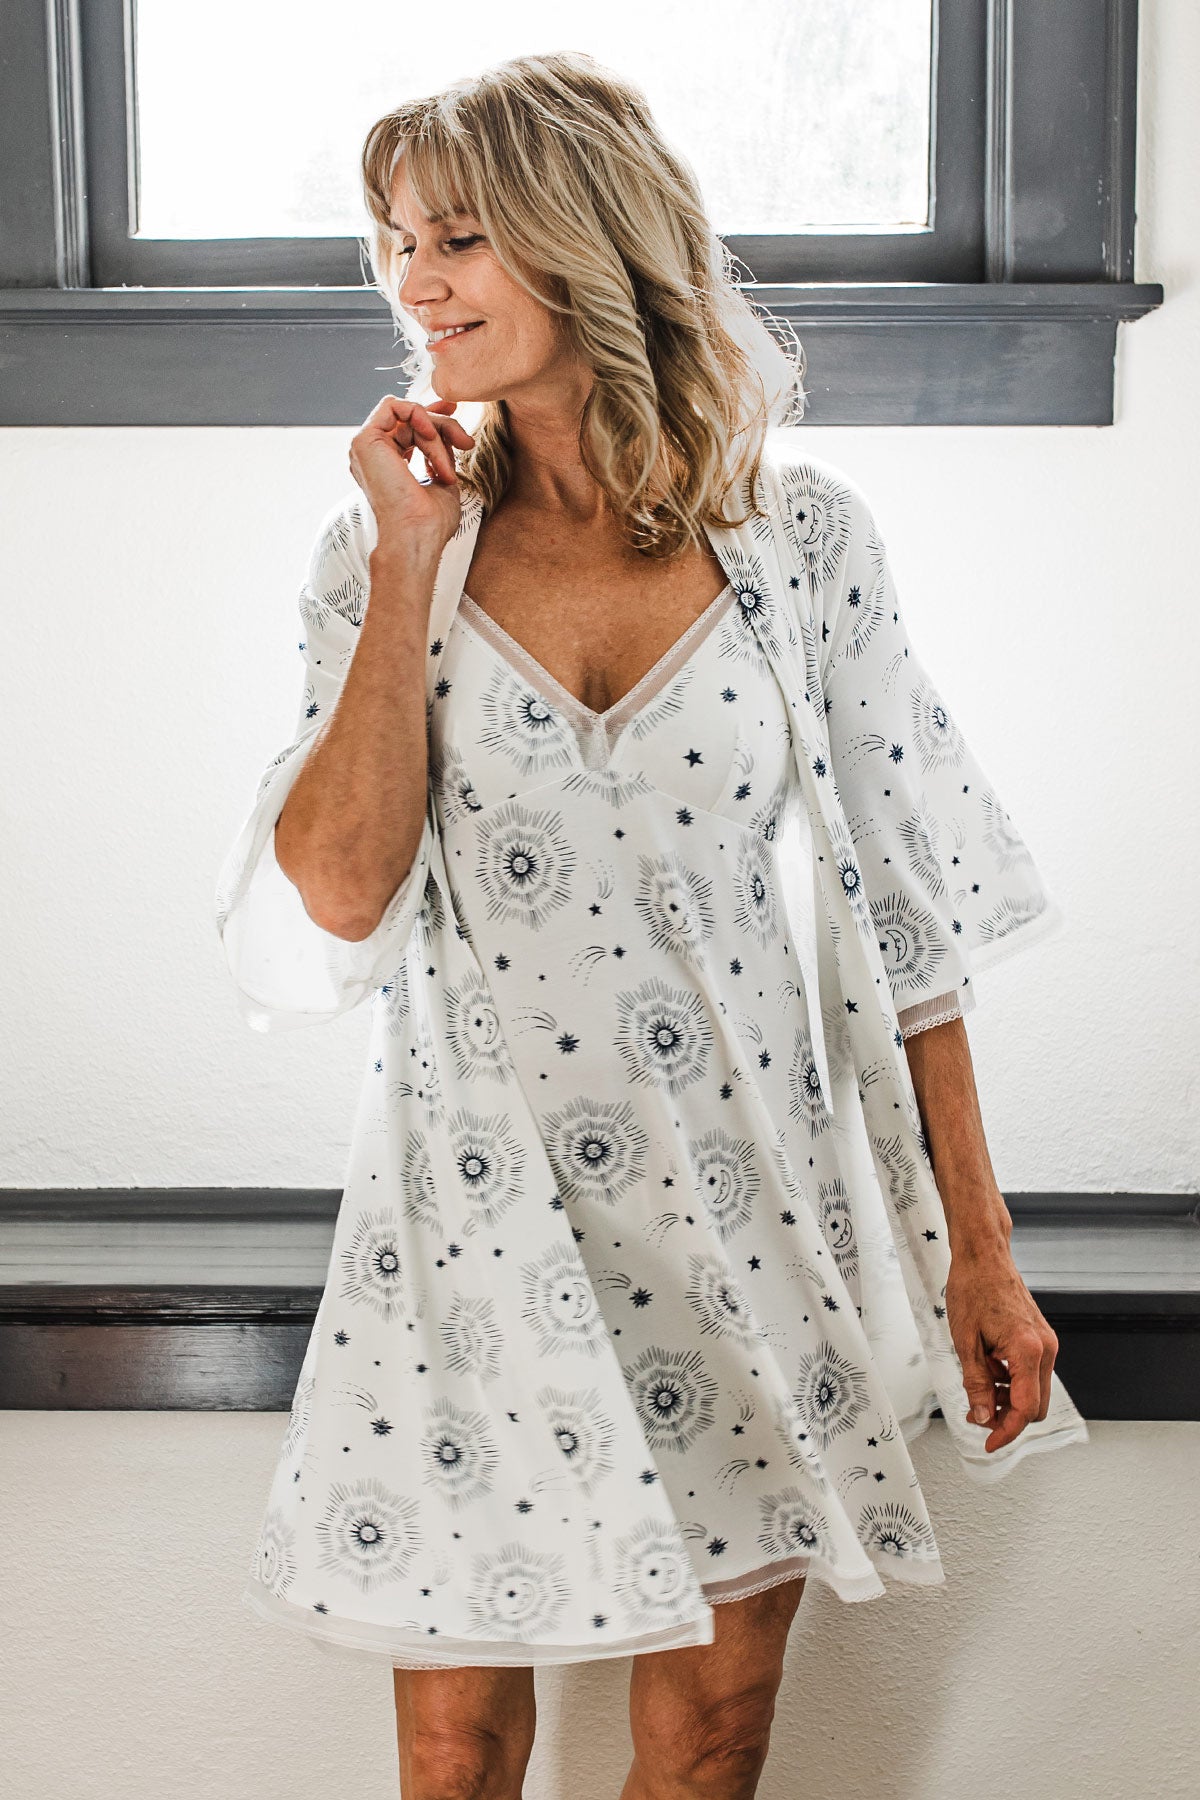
<point x="641" y="1283"/>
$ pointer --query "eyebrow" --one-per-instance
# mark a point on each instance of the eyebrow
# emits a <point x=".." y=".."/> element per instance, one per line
<point x="435" y="219"/>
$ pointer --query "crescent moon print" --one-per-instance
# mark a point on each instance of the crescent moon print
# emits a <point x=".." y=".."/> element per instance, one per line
<point x="675" y="904"/>
<point x="725" y="1175"/>
<point x="476" y="1034"/>
<point x="817" y="518"/>
<point x="908" y="944"/>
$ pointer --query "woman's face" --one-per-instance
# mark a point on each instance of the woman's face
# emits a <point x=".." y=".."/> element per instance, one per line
<point x="448" y="275"/>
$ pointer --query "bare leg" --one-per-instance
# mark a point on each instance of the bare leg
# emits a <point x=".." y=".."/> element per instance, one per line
<point x="464" y="1734"/>
<point x="701" y="1715"/>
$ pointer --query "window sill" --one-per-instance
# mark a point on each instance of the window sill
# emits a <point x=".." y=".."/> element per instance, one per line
<point x="152" y="1300"/>
<point x="903" y="353"/>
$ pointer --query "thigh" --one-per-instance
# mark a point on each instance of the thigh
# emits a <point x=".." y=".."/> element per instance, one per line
<point x="479" y="1719"/>
<point x="679" y="1699"/>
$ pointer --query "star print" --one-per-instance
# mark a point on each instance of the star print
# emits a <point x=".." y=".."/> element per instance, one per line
<point x="380" y="1427"/>
<point x="716" y="1546"/>
<point x="441" y="687"/>
<point x="828" y="1301"/>
<point x="567" y="1043"/>
<point x="742" y="792"/>
<point x="641" y="1297"/>
<point x="897" y="753"/>
<point x="524" y="1506"/>
<point x="754" y="1262"/>
<point x="854" y="597"/>
<point x="436" y="647"/>
<point x="930" y="1237"/>
<point x="692" y="757"/>
<point x="764" y="1059"/>
<point x="594" y="907"/>
<point x="728" y="693"/>
<point x="684" y="816"/>
<point x="341" y="1337"/>
<point x="735" y="967"/>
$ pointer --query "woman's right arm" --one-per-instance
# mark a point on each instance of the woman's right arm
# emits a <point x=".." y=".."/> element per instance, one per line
<point x="351" y="826"/>
<point x="308" y="938"/>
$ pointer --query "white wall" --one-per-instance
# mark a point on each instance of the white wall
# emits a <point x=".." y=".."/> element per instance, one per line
<point x="150" y="631"/>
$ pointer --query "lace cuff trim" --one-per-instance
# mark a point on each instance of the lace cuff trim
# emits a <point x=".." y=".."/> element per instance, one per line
<point x="939" y="1009"/>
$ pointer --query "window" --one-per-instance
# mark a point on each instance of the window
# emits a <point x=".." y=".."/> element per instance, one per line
<point x="930" y="192"/>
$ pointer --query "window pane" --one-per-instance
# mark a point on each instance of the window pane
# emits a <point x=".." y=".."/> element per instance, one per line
<point x="251" y="113"/>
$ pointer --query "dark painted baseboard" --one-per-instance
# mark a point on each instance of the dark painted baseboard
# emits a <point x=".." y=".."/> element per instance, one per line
<point x="155" y="1299"/>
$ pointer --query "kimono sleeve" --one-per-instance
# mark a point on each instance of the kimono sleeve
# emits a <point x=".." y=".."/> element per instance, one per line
<point x="288" y="970"/>
<point x="951" y="884"/>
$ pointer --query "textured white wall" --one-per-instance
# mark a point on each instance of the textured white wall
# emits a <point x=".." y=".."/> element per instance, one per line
<point x="151" y="581"/>
<point x="1058" y="1662"/>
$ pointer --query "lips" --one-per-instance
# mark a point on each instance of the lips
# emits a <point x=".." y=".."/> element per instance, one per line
<point x="440" y="343"/>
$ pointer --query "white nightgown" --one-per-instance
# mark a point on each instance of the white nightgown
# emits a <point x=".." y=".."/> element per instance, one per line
<point x="645" y="968"/>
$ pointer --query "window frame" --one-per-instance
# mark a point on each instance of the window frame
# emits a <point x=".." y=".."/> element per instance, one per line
<point x="1028" y="339"/>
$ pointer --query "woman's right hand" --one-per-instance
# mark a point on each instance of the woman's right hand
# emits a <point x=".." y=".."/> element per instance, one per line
<point x="408" y="511"/>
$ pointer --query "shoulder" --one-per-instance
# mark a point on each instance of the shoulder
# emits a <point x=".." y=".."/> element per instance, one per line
<point x="345" y="538"/>
<point x="824" y="513"/>
<point x="798" y="471"/>
<point x="333" y="598"/>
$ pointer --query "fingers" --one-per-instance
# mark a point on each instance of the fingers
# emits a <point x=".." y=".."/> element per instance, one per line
<point x="432" y="445"/>
<point x="1024" y="1399"/>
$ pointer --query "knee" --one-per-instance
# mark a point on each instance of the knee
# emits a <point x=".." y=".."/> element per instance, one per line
<point x="718" y="1747"/>
<point x="465" y="1763"/>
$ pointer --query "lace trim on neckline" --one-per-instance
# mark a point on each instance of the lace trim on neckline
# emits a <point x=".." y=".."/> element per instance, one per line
<point x="614" y="718"/>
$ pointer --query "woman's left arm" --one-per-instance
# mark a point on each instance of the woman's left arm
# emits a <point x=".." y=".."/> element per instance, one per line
<point x="993" y="1318"/>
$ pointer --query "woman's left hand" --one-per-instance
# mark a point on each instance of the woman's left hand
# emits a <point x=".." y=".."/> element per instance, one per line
<point x="994" y="1320"/>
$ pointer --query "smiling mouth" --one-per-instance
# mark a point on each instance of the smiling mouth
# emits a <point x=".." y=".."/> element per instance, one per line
<point x="463" y="331"/>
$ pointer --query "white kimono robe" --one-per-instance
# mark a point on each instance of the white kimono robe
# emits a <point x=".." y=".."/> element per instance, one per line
<point x="897" y="806"/>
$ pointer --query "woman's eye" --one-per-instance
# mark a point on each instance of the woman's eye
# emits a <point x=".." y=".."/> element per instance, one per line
<point x="457" y="242"/>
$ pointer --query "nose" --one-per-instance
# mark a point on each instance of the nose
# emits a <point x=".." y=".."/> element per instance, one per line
<point x="419" y="281"/>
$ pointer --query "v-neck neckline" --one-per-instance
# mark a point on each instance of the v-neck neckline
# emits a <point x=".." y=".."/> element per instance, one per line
<point x="635" y="698"/>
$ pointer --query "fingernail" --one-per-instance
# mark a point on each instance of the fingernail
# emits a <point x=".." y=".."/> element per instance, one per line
<point x="981" y="1415"/>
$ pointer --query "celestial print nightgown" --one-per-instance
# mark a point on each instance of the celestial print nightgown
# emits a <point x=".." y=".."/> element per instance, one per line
<point x="558" y="1403"/>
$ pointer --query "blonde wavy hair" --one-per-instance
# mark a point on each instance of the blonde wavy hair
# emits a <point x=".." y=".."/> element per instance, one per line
<point x="587" y="206"/>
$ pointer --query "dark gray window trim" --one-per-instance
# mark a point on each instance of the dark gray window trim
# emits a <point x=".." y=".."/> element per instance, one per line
<point x="1029" y="339"/>
<point x="183" y="1319"/>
